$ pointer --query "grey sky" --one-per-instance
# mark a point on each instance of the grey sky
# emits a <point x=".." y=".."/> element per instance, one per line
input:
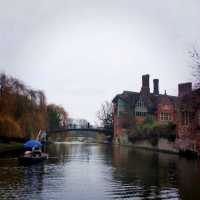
<point x="81" y="53"/>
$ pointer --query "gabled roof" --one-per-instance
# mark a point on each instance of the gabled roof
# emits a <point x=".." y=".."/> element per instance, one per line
<point x="151" y="101"/>
<point x="127" y="96"/>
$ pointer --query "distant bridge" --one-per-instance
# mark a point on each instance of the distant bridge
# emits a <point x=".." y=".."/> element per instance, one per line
<point x="99" y="130"/>
<point x="70" y="134"/>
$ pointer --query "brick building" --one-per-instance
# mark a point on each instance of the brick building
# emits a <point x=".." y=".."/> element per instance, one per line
<point x="188" y="119"/>
<point x="132" y="108"/>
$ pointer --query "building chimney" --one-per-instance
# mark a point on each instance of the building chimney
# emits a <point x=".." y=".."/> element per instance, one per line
<point x="184" y="89"/>
<point x="156" y="86"/>
<point x="145" y="84"/>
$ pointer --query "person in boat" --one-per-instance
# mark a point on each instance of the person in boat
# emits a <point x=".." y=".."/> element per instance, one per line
<point x="36" y="152"/>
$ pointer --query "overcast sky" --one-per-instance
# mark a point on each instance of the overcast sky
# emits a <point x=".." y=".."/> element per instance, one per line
<point x="83" y="52"/>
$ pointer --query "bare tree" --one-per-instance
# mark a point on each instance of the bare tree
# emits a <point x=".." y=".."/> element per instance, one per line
<point x="195" y="55"/>
<point x="105" y="115"/>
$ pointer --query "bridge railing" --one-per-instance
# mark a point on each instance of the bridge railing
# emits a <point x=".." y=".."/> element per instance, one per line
<point x="99" y="129"/>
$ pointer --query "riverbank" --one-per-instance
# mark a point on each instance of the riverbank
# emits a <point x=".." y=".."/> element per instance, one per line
<point x="162" y="145"/>
<point x="154" y="144"/>
<point x="11" y="146"/>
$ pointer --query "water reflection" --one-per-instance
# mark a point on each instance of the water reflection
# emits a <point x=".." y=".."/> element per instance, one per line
<point x="140" y="174"/>
<point x="148" y="175"/>
<point x="19" y="182"/>
<point x="80" y="171"/>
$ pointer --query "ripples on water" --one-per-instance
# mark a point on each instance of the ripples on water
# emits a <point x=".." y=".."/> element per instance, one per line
<point x="99" y="172"/>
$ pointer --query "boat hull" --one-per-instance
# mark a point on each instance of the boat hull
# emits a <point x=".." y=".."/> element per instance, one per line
<point x="30" y="160"/>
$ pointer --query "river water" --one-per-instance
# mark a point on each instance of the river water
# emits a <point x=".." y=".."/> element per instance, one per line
<point x="97" y="172"/>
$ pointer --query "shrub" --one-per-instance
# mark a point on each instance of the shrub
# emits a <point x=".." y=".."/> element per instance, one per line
<point x="152" y="129"/>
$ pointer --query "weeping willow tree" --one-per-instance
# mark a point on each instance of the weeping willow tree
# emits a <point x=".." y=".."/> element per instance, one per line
<point x="23" y="111"/>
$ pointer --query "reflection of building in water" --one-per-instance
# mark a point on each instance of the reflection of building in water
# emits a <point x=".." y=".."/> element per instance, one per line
<point x="150" y="175"/>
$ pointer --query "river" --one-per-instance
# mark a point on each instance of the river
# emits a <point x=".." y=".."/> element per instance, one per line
<point x="98" y="172"/>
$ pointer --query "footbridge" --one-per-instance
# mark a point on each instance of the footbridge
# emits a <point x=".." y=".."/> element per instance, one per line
<point x="97" y="130"/>
<point x="68" y="134"/>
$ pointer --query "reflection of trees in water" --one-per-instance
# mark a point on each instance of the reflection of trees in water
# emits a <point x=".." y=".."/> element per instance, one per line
<point x="10" y="177"/>
<point x="33" y="183"/>
<point x="125" y="173"/>
<point x="18" y="182"/>
<point x="106" y="152"/>
<point x="57" y="153"/>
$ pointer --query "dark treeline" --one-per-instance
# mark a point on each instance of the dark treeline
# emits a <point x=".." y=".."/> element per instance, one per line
<point x="24" y="111"/>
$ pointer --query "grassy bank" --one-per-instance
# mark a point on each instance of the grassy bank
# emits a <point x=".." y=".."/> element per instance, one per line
<point x="6" y="147"/>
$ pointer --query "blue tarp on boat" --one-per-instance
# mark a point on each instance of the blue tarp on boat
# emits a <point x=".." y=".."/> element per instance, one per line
<point x="33" y="144"/>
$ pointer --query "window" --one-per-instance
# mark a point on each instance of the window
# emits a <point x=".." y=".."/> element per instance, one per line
<point x="140" y="103"/>
<point x="164" y="116"/>
<point x="140" y="114"/>
<point x="186" y="118"/>
<point x="122" y="107"/>
<point x="140" y="109"/>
